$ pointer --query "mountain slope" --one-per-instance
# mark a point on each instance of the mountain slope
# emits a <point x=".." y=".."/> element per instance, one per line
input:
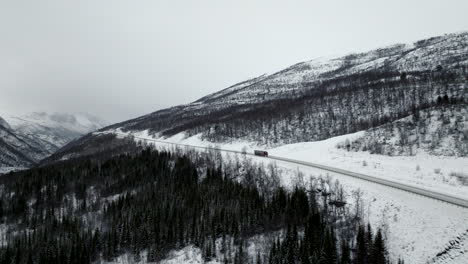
<point x="52" y="131"/>
<point x="4" y="123"/>
<point x="26" y="139"/>
<point x="441" y="130"/>
<point x="15" y="150"/>
<point x="322" y="98"/>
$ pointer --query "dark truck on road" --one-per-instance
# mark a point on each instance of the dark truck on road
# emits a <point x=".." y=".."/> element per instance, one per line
<point x="261" y="153"/>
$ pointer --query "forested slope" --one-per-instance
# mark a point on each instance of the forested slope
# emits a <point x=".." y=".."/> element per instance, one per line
<point x="146" y="203"/>
<point x="439" y="130"/>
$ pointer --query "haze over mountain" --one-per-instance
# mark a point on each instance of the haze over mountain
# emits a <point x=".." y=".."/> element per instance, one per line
<point x="28" y="138"/>
<point x="319" y="99"/>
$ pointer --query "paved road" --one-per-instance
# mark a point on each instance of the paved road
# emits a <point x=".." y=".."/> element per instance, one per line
<point x="412" y="189"/>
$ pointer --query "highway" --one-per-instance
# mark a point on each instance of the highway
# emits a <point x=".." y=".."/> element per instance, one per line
<point x="392" y="184"/>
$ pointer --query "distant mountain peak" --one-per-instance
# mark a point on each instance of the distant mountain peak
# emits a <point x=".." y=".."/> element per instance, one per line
<point x="33" y="136"/>
<point x="4" y="123"/>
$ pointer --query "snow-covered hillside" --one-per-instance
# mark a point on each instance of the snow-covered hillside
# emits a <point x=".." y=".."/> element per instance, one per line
<point x="16" y="151"/>
<point x="328" y="97"/>
<point x="450" y="50"/>
<point x="28" y="138"/>
<point x="4" y="123"/>
<point x="441" y="131"/>
<point x="444" y="174"/>
<point x="54" y="130"/>
<point x="415" y="227"/>
<point x="408" y="100"/>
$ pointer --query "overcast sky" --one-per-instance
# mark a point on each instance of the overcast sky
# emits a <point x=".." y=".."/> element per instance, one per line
<point x="120" y="59"/>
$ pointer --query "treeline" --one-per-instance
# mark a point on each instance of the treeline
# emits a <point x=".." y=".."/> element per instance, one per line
<point x="336" y="104"/>
<point x="438" y="130"/>
<point x="334" y="107"/>
<point x="82" y="211"/>
<point x="315" y="110"/>
<point x="320" y="245"/>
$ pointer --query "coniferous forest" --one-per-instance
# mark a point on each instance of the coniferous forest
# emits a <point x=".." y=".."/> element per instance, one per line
<point x="91" y="210"/>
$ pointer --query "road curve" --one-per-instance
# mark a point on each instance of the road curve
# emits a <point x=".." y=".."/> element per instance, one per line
<point x="412" y="189"/>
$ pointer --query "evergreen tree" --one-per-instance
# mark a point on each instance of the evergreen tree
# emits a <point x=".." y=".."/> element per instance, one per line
<point x="345" y="253"/>
<point x="378" y="252"/>
<point x="362" y="250"/>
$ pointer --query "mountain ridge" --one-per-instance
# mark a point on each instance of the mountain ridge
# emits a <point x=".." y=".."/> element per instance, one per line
<point x="26" y="139"/>
<point x="321" y="98"/>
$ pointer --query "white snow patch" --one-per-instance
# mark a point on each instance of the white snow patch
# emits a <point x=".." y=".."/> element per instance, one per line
<point x="396" y="168"/>
<point x="5" y="170"/>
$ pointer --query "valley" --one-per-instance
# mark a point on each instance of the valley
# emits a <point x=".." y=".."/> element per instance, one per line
<point x="376" y="138"/>
<point x="27" y="139"/>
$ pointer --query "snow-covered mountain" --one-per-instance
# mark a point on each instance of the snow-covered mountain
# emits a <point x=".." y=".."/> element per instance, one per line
<point x="321" y="98"/>
<point x="4" y="123"/>
<point x="53" y="130"/>
<point x="16" y="151"/>
<point x="403" y="99"/>
<point x="26" y="139"/>
<point x="449" y="52"/>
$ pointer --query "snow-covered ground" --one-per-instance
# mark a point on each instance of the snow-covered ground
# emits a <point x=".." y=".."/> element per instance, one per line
<point x="256" y="246"/>
<point x="417" y="228"/>
<point x="423" y="170"/>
